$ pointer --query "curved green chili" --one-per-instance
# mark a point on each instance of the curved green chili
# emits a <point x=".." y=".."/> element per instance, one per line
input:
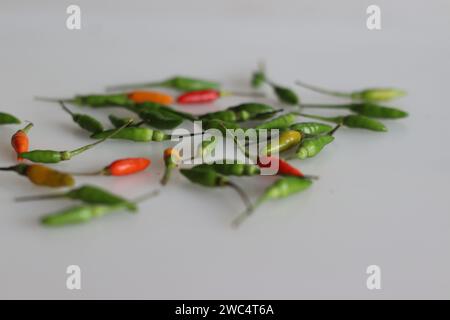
<point x="85" y="121"/>
<point x="6" y="118"/>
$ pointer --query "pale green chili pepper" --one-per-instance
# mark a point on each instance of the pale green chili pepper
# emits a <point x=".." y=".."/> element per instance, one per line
<point x="373" y="94"/>
<point x="367" y="109"/>
<point x="312" y="146"/>
<point x="352" y="121"/>
<point x="281" y="122"/>
<point x="311" y="128"/>
<point x="282" y="188"/>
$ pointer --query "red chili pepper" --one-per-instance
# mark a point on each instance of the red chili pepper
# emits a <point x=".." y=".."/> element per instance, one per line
<point x="127" y="166"/>
<point x="20" y="141"/>
<point x="200" y="96"/>
<point x="284" y="168"/>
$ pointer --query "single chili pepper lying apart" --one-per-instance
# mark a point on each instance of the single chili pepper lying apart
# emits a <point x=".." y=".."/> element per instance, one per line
<point x="367" y="109"/>
<point x="283" y="94"/>
<point x="140" y="135"/>
<point x="311" y="128"/>
<point x="85" y="213"/>
<point x="51" y="156"/>
<point x="150" y="96"/>
<point x="178" y="83"/>
<point x="122" y="167"/>
<point x="20" y="141"/>
<point x="281" y="122"/>
<point x="286" y="140"/>
<point x="43" y="176"/>
<point x="6" y="118"/>
<point x="87" y="194"/>
<point x="85" y="121"/>
<point x="242" y="112"/>
<point x="213" y="179"/>
<point x="282" y="188"/>
<point x="351" y="121"/>
<point x="373" y="94"/>
<point x="172" y="159"/>
<point x="211" y="95"/>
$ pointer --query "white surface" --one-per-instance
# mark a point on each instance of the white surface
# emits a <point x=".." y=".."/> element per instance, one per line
<point x="382" y="198"/>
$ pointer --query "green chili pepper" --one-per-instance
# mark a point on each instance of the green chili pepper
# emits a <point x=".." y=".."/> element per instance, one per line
<point x="118" y="122"/>
<point x="152" y="106"/>
<point x="135" y="134"/>
<point x="232" y="169"/>
<point x="281" y="122"/>
<point x="352" y="121"/>
<point x="286" y="140"/>
<point x="51" y="156"/>
<point x="6" y="118"/>
<point x="258" y="77"/>
<point x="85" y="121"/>
<point x="367" y="109"/>
<point x="311" y="128"/>
<point x="161" y="119"/>
<point x="87" y="194"/>
<point x="374" y="94"/>
<point x="242" y="112"/>
<point x="282" y="188"/>
<point x="312" y="146"/>
<point x="285" y="95"/>
<point x="207" y="146"/>
<point x="219" y="125"/>
<point x="95" y="100"/>
<point x="177" y="83"/>
<point x="211" y="178"/>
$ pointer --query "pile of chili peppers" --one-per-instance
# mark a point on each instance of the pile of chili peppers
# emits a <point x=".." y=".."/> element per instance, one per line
<point x="153" y="115"/>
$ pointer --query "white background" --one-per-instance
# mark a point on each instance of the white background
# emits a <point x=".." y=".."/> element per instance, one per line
<point x="381" y="199"/>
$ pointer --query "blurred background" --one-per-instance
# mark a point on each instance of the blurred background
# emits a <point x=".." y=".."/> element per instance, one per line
<point x="381" y="198"/>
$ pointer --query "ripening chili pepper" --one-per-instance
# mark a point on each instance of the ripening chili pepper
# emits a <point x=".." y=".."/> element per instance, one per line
<point x="20" y="141"/>
<point x="178" y="83"/>
<point x="150" y="96"/>
<point x="286" y="140"/>
<point x="52" y="156"/>
<point x="211" y="95"/>
<point x="281" y="122"/>
<point x="373" y="94"/>
<point x="43" y="176"/>
<point x="284" y="168"/>
<point x="6" y="118"/>
<point x="352" y="121"/>
<point x="213" y="179"/>
<point x="281" y="188"/>
<point x="87" y="194"/>
<point x="231" y="169"/>
<point x="122" y="167"/>
<point x="172" y="159"/>
<point x="311" y="128"/>
<point x="95" y="100"/>
<point x="242" y="112"/>
<point x="367" y="109"/>
<point x="85" y="121"/>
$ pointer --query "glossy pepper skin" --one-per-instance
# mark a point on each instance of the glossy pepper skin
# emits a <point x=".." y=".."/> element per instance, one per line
<point x="150" y="96"/>
<point x="232" y="169"/>
<point x="135" y="134"/>
<point x="199" y="96"/>
<point x="312" y="146"/>
<point x="20" y="141"/>
<point x="281" y="122"/>
<point x="311" y="128"/>
<point x="281" y="188"/>
<point x="6" y="118"/>
<point x="127" y="166"/>
<point x="43" y="176"/>
<point x="286" y="140"/>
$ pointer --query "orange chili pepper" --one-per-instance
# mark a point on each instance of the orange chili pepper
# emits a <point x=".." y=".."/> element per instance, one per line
<point x="20" y="141"/>
<point x="150" y="96"/>
<point x="127" y="166"/>
<point x="284" y="168"/>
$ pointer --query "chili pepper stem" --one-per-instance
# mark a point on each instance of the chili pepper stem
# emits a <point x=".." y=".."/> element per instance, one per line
<point x="324" y="106"/>
<point x="336" y="128"/>
<point x="40" y="197"/>
<point x="241" y="193"/>
<point x="313" y="116"/>
<point x="242" y="94"/>
<point x="166" y="176"/>
<point x="61" y="103"/>
<point x="322" y="90"/>
<point x="27" y="127"/>
<point x="48" y="99"/>
<point x="89" y="146"/>
<point x="146" y="196"/>
<point x="246" y="214"/>
<point x="124" y="87"/>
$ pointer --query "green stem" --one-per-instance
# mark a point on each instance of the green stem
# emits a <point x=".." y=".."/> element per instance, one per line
<point x="146" y="196"/>
<point x="241" y="194"/>
<point x="89" y="146"/>
<point x="326" y="106"/>
<point x="125" y="87"/>
<point x="47" y="99"/>
<point x="247" y="213"/>
<point x="41" y="197"/>
<point x="61" y="103"/>
<point x="324" y="91"/>
<point x="328" y="119"/>
<point x="166" y="177"/>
